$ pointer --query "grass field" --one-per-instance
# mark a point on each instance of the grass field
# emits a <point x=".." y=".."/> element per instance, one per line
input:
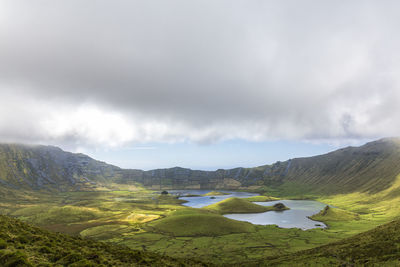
<point x="147" y="221"/>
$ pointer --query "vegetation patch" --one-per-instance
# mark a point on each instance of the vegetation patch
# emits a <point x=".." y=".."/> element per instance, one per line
<point x="215" y="193"/>
<point x="335" y="214"/>
<point x="141" y="218"/>
<point x="41" y="215"/>
<point x="199" y="223"/>
<point x="377" y="247"/>
<point x="261" y="198"/>
<point x="31" y="246"/>
<point x="240" y="205"/>
<point x="103" y="231"/>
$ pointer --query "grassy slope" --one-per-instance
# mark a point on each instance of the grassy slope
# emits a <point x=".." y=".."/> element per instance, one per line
<point x="380" y="246"/>
<point x="24" y="245"/>
<point x="47" y="168"/>
<point x="237" y="205"/>
<point x="329" y="214"/>
<point x="370" y="169"/>
<point x="194" y="222"/>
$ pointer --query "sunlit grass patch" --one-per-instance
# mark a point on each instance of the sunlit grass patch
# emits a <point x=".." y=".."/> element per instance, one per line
<point x="335" y="214"/>
<point x="215" y="193"/>
<point x="199" y="224"/>
<point x="141" y="218"/>
<point x="42" y="214"/>
<point x="261" y="198"/>
<point x="104" y="231"/>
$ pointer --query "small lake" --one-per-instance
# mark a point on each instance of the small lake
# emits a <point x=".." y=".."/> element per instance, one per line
<point x="199" y="202"/>
<point x="296" y="217"/>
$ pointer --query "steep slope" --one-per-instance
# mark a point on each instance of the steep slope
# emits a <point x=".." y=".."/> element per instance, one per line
<point x="24" y="245"/>
<point x="50" y="168"/>
<point x="372" y="167"/>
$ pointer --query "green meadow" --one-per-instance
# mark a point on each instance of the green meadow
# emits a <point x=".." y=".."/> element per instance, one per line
<point x="145" y="220"/>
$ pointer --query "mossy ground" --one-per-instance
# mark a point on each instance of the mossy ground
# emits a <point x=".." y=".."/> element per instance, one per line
<point x="25" y="245"/>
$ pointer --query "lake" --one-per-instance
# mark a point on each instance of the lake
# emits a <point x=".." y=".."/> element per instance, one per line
<point x="296" y="217"/>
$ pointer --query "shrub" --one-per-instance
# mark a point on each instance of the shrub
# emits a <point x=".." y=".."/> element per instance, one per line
<point x="3" y="244"/>
<point x="71" y="258"/>
<point x="83" y="263"/>
<point x="14" y="259"/>
<point x="45" y="249"/>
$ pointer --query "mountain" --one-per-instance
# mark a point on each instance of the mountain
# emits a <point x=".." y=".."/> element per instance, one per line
<point x="49" y="168"/>
<point x="371" y="168"/>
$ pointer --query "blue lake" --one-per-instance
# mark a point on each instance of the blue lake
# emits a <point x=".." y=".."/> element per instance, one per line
<point x="296" y="217"/>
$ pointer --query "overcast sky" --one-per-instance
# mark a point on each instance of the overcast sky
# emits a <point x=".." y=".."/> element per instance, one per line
<point x="94" y="75"/>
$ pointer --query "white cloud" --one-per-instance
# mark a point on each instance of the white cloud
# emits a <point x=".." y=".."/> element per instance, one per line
<point x="113" y="73"/>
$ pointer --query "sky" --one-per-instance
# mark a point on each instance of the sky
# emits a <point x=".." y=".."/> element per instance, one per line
<point x="203" y="84"/>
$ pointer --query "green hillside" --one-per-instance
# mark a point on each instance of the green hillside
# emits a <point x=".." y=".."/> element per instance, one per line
<point x="25" y="245"/>
<point x="370" y="168"/>
<point x="377" y="247"/>
<point x="195" y="222"/>
<point x="50" y="169"/>
<point x="334" y="214"/>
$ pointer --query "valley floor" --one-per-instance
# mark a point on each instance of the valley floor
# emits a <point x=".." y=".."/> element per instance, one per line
<point x="144" y="220"/>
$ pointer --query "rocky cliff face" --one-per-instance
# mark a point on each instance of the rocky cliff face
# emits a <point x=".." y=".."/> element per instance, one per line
<point x="181" y="178"/>
<point x="369" y="168"/>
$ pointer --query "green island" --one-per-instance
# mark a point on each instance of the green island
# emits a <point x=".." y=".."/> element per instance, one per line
<point x="261" y="198"/>
<point x="239" y="205"/>
<point x="215" y="193"/>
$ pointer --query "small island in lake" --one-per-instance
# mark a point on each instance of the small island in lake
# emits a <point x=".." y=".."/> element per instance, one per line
<point x="261" y="198"/>
<point x="240" y="205"/>
<point x="215" y="193"/>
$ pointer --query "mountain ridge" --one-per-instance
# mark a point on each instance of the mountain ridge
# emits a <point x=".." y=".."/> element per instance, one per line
<point x="368" y="168"/>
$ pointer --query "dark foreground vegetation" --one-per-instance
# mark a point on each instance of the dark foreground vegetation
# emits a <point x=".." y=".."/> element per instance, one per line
<point x="25" y="245"/>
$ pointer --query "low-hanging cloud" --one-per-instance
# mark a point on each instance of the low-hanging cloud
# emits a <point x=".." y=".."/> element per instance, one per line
<point x="108" y="73"/>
